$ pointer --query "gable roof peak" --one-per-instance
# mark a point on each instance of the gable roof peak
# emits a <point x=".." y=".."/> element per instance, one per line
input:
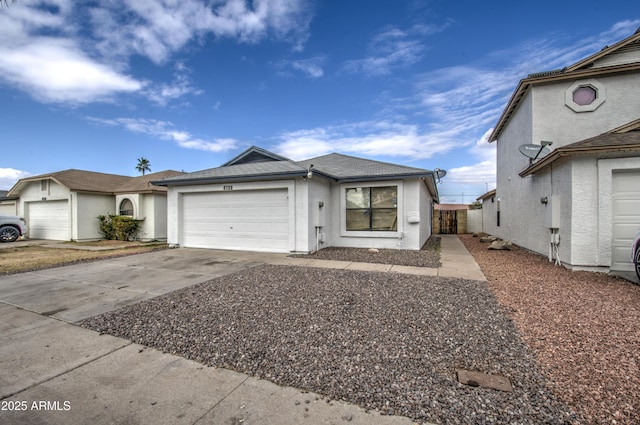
<point x="254" y="154"/>
<point x="628" y="42"/>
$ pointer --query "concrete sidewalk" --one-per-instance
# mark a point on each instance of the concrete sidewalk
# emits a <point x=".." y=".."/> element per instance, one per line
<point x="454" y="258"/>
<point x="58" y="373"/>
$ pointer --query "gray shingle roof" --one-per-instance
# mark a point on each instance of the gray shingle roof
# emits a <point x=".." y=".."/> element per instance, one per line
<point x="622" y="144"/>
<point x="348" y="167"/>
<point x="248" y="171"/>
<point x="335" y="166"/>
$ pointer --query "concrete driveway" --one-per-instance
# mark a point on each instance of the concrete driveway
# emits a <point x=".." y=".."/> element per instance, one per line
<point x="58" y="373"/>
<point x="73" y="293"/>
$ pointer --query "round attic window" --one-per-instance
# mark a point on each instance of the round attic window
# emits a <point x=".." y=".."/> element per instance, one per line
<point x="584" y="95"/>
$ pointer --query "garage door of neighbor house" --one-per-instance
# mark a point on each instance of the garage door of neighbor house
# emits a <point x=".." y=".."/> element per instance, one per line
<point x="8" y="208"/>
<point x="252" y="220"/>
<point x="626" y="217"/>
<point x="49" y="220"/>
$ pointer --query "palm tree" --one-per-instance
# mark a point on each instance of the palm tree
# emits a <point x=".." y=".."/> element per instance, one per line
<point x="143" y="165"/>
<point x="6" y="2"/>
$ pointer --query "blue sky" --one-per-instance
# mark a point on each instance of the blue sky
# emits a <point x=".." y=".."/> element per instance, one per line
<point x="95" y="85"/>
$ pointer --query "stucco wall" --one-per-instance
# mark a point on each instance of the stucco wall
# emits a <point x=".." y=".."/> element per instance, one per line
<point x="320" y="217"/>
<point x="425" y="207"/>
<point x="32" y="192"/>
<point x="85" y="209"/>
<point x="489" y="215"/>
<point x="554" y="121"/>
<point x="512" y="192"/>
<point x="583" y="212"/>
<point x="156" y="208"/>
<point x="474" y="220"/>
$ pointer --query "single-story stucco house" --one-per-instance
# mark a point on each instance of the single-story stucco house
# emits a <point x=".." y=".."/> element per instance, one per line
<point x="568" y="162"/>
<point x="64" y="205"/>
<point x="261" y="201"/>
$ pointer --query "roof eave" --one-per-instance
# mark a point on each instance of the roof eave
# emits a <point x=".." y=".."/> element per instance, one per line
<point x="560" y="152"/>
<point x="222" y="179"/>
<point x="586" y="61"/>
<point x="17" y="188"/>
<point x="382" y="177"/>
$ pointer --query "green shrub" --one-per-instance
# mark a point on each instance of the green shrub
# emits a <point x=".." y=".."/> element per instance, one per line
<point x="119" y="227"/>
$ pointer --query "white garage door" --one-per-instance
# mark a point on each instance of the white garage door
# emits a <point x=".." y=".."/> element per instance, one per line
<point x="255" y="220"/>
<point x="49" y="220"/>
<point x="626" y="217"/>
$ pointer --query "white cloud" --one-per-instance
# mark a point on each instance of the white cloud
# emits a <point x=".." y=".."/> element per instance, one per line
<point x="181" y="86"/>
<point x="370" y="138"/>
<point x="56" y="71"/>
<point x="482" y="172"/>
<point x="53" y="67"/>
<point x="311" y="67"/>
<point x="392" y="48"/>
<point x="165" y="130"/>
<point x="10" y="176"/>
<point x="156" y="29"/>
<point x="62" y="51"/>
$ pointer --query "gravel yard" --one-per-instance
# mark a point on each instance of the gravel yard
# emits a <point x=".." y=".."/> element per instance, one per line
<point x="385" y="341"/>
<point x="428" y="256"/>
<point x="584" y="329"/>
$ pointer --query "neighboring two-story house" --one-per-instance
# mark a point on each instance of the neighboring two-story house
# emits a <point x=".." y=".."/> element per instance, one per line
<point x="568" y="161"/>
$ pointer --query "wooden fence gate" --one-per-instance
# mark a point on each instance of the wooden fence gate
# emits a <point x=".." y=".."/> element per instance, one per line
<point x="448" y="222"/>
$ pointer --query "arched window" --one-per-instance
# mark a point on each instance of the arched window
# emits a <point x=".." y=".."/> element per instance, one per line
<point x="126" y="207"/>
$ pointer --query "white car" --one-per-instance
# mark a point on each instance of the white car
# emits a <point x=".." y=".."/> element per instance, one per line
<point x="635" y="254"/>
<point x="12" y="228"/>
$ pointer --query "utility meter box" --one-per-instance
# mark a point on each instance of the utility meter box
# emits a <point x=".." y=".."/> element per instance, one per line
<point x="318" y="214"/>
<point x="553" y="212"/>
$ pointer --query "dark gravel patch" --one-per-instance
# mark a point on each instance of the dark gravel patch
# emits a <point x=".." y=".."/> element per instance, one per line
<point x="428" y="256"/>
<point x="385" y="341"/>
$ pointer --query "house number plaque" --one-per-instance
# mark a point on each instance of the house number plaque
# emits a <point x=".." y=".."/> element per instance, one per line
<point x="227" y="187"/>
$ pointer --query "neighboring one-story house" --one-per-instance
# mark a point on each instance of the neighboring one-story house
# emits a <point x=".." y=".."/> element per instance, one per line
<point x="65" y="205"/>
<point x="261" y="201"/>
<point x="568" y="161"/>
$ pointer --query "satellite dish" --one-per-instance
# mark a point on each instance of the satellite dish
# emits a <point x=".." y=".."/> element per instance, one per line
<point x="440" y="173"/>
<point x="533" y="151"/>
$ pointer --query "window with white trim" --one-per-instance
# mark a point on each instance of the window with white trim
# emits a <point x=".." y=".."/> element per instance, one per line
<point x="585" y="95"/>
<point x="372" y="208"/>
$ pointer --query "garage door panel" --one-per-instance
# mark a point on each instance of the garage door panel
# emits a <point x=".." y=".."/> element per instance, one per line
<point x="626" y="217"/>
<point x="49" y="220"/>
<point x="247" y="220"/>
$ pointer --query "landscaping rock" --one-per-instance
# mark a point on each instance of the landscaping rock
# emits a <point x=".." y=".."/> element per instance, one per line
<point x="488" y="239"/>
<point x="501" y="245"/>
